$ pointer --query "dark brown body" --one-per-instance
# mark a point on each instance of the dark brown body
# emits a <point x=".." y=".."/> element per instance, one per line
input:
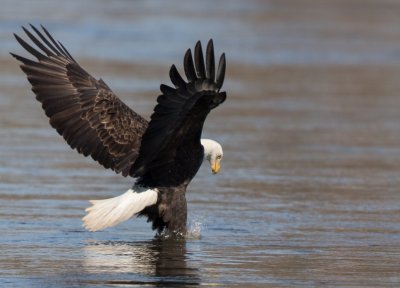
<point x="170" y="212"/>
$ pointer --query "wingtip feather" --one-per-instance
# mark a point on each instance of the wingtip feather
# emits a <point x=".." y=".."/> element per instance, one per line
<point x="199" y="61"/>
<point x="189" y="66"/>
<point x="210" y="60"/>
<point x="221" y="71"/>
<point x="176" y="78"/>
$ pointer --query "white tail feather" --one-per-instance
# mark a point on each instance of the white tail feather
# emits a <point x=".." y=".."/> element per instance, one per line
<point x="110" y="212"/>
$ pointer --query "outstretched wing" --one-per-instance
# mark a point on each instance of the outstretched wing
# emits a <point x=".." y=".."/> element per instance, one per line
<point x="82" y="109"/>
<point x="181" y="111"/>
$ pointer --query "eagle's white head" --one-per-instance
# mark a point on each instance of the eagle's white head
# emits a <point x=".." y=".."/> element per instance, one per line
<point x="213" y="154"/>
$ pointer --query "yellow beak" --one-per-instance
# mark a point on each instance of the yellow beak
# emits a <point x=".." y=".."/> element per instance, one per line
<point x="215" y="167"/>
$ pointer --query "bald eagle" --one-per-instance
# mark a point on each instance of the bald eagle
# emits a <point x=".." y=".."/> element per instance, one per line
<point x="162" y="154"/>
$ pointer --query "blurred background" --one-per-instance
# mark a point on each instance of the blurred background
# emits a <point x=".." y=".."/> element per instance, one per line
<point x="309" y="192"/>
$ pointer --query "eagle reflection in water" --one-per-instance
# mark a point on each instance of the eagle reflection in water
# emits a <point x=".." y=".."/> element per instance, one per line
<point x="149" y="262"/>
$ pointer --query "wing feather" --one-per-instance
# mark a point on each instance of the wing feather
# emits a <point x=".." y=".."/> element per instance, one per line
<point x="221" y="71"/>
<point x="176" y="78"/>
<point x="189" y="66"/>
<point x="210" y="64"/>
<point x="199" y="61"/>
<point x="89" y="116"/>
<point x="182" y="110"/>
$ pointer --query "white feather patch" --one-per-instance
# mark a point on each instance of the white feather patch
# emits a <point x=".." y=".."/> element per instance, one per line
<point x="110" y="212"/>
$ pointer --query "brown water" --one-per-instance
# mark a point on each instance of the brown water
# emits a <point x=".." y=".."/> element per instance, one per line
<point x="309" y="191"/>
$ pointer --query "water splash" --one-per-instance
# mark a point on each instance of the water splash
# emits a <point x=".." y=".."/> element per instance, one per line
<point x="195" y="227"/>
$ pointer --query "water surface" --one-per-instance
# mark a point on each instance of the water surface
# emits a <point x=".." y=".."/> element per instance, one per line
<point x="309" y="192"/>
